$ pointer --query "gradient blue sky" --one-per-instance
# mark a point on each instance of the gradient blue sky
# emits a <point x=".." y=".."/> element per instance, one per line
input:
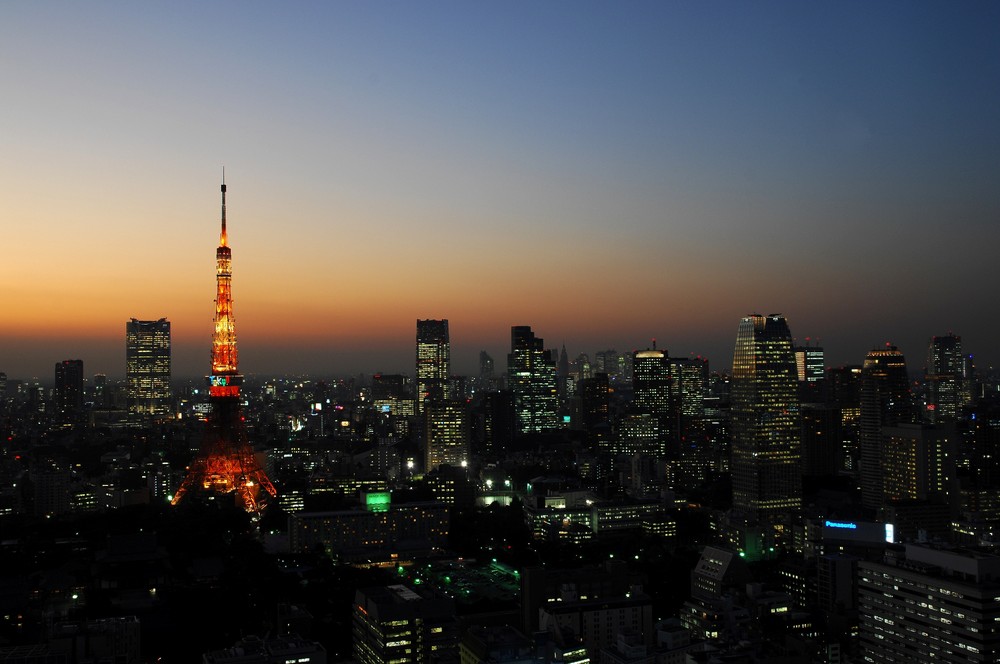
<point x="605" y="172"/>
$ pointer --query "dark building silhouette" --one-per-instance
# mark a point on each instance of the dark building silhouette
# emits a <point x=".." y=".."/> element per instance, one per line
<point x="843" y="387"/>
<point x="69" y="389"/>
<point x="594" y="394"/>
<point x="947" y="380"/>
<point x="885" y="402"/>
<point x="821" y="439"/>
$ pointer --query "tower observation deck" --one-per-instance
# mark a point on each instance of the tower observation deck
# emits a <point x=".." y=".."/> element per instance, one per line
<point x="226" y="463"/>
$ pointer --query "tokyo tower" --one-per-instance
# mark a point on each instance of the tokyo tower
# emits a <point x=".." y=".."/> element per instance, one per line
<point x="226" y="462"/>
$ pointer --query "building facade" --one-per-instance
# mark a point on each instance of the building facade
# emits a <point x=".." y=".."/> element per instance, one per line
<point x="147" y="367"/>
<point x="930" y="605"/>
<point x="446" y="428"/>
<point x="767" y="479"/>
<point x="399" y="624"/>
<point x="531" y="376"/>
<point x="885" y="402"/>
<point x="433" y="361"/>
<point x="69" y="388"/>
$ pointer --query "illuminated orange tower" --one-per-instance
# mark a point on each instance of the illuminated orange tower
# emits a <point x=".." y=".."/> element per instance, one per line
<point x="226" y="462"/>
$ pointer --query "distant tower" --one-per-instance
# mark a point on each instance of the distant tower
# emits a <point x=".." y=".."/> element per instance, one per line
<point x="652" y="400"/>
<point x="531" y="375"/>
<point x="767" y="480"/>
<point x="946" y="378"/>
<point x="147" y="366"/>
<point x="809" y="362"/>
<point x="226" y="462"/>
<point x="885" y="402"/>
<point x="433" y="361"/>
<point x="69" y="388"/>
<point x="562" y="375"/>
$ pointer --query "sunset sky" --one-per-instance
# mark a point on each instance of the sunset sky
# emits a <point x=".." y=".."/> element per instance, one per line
<point x="604" y="172"/>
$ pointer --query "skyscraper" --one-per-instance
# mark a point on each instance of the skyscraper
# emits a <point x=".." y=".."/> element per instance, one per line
<point x="226" y="462"/>
<point x="946" y="379"/>
<point x="147" y="366"/>
<point x="767" y="480"/>
<point x="918" y="461"/>
<point x="69" y="388"/>
<point x="652" y="399"/>
<point x="433" y="361"/>
<point x="885" y="402"/>
<point x="446" y="425"/>
<point x="531" y="373"/>
<point x="809" y="362"/>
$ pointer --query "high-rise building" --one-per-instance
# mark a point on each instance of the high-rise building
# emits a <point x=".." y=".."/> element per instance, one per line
<point x="809" y="363"/>
<point x="947" y="379"/>
<point x="226" y="462"/>
<point x="767" y="479"/>
<point x="433" y="361"/>
<point x="69" y="388"/>
<point x="843" y="389"/>
<point x="147" y="366"/>
<point x="918" y="462"/>
<point x="446" y="427"/>
<point x="885" y="402"/>
<point x="980" y="461"/>
<point x="564" y="386"/>
<point x="650" y="416"/>
<point x="929" y="605"/>
<point x="594" y="395"/>
<point x="531" y="376"/>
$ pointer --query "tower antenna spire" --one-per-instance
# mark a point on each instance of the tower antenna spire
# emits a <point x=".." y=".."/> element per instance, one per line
<point x="223" y="238"/>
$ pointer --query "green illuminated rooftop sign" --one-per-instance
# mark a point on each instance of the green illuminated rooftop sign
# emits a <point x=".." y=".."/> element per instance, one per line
<point x="378" y="501"/>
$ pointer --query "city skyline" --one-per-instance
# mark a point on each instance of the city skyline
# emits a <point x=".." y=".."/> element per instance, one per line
<point x="603" y="176"/>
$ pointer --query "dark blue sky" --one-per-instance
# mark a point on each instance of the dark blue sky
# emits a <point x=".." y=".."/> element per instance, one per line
<point x="604" y="172"/>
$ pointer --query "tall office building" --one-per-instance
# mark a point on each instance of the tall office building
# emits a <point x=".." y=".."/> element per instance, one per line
<point x="767" y="479"/>
<point x="531" y="375"/>
<point x="652" y="402"/>
<point x="147" y="366"/>
<point x="885" y="402"/>
<point x="433" y="361"/>
<point x="918" y="462"/>
<point x="69" y="388"/>
<point x="446" y="428"/>
<point x="809" y="363"/>
<point x="980" y="461"/>
<point x="947" y="379"/>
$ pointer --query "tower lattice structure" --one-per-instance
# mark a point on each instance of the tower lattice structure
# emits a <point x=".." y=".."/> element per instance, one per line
<point x="226" y="462"/>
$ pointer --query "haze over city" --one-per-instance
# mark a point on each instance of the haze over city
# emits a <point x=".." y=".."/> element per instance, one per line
<point x="604" y="173"/>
